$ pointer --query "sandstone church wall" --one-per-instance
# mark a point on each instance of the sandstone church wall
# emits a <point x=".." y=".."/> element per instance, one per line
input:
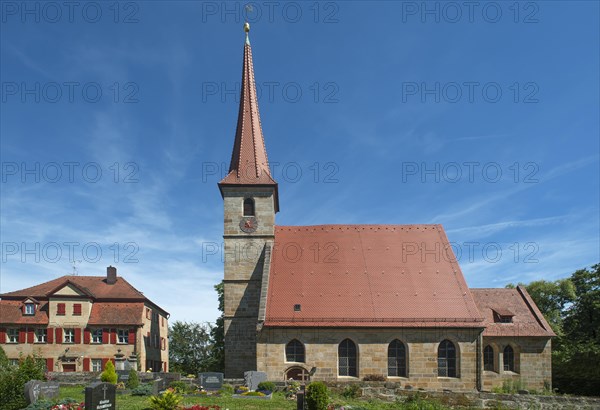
<point x="321" y="351"/>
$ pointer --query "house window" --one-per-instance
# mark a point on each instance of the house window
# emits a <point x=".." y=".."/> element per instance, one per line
<point x="60" y="309"/>
<point x="488" y="358"/>
<point x="248" y="207"/>
<point x="505" y="319"/>
<point x="509" y="359"/>
<point x="347" y="358"/>
<point x="69" y="336"/>
<point x="14" y="362"/>
<point x="77" y="309"/>
<point x="446" y="359"/>
<point x="12" y="335"/>
<point x="97" y="336"/>
<point x="96" y="365"/>
<point x="29" y="309"/>
<point x="397" y="359"/>
<point x="40" y="335"/>
<point x="123" y="336"/>
<point x="294" y="351"/>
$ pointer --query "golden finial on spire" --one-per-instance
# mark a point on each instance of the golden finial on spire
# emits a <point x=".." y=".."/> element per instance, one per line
<point x="247" y="27"/>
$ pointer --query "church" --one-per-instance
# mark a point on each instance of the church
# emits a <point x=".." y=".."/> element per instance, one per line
<point x="343" y="302"/>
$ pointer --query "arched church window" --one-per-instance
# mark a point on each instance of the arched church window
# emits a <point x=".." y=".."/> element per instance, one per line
<point x="294" y="351"/>
<point x="488" y="358"/>
<point x="397" y="359"/>
<point x="248" y="207"/>
<point x="347" y="358"/>
<point x="447" y="359"/>
<point x="509" y="359"/>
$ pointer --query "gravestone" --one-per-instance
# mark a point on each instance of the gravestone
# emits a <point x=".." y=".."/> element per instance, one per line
<point x="158" y="385"/>
<point x="253" y="378"/>
<point x="35" y="390"/>
<point x="123" y="375"/>
<point x="211" y="380"/>
<point x="100" y="396"/>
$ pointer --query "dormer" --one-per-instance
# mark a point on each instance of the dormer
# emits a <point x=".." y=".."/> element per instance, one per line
<point x="29" y="306"/>
<point x="502" y="315"/>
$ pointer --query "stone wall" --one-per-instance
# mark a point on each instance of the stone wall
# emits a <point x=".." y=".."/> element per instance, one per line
<point x="533" y="362"/>
<point x="391" y="392"/>
<point x="321" y="351"/>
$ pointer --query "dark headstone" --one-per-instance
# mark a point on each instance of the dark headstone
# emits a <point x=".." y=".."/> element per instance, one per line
<point x="523" y="391"/>
<point x="123" y="375"/>
<point x="100" y="396"/>
<point x="253" y="378"/>
<point x="300" y="401"/>
<point x="211" y="381"/>
<point x="35" y="390"/>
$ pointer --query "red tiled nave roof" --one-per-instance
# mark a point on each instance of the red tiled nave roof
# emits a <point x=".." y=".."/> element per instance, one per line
<point x="367" y="275"/>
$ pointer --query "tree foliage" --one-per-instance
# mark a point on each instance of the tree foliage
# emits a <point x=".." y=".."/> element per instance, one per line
<point x="13" y="379"/>
<point x="572" y="307"/>
<point x="190" y="347"/>
<point x="217" y="335"/>
<point x="109" y="375"/>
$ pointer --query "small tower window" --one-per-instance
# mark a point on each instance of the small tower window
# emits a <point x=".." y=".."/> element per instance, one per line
<point x="29" y="309"/>
<point x="248" y="207"/>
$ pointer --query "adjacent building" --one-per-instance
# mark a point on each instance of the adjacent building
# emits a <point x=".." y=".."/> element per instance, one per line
<point x="346" y="301"/>
<point x="78" y="323"/>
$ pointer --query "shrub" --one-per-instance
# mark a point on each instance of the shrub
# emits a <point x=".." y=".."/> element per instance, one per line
<point x="269" y="386"/>
<point x="374" y="378"/>
<point x="316" y="396"/>
<point x="134" y="380"/>
<point x="226" y="389"/>
<point x="178" y="386"/>
<point x="109" y="375"/>
<point x="351" y="391"/>
<point x="169" y="400"/>
<point x="199" y="407"/>
<point x="142" y="390"/>
<point x="254" y="393"/>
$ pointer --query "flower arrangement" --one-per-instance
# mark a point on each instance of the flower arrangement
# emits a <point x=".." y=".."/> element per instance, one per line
<point x="241" y="389"/>
<point x="254" y="393"/>
<point x="199" y="407"/>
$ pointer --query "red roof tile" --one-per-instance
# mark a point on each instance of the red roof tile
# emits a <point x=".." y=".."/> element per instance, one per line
<point x="527" y="319"/>
<point x="116" y="314"/>
<point x="11" y="313"/>
<point x="367" y="275"/>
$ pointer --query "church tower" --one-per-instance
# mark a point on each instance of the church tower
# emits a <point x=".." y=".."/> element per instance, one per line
<point x="250" y="202"/>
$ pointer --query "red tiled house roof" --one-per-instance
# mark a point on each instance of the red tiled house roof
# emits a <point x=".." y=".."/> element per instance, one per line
<point x="367" y="276"/>
<point x="527" y="320"/>
<point x="117" y="303"/>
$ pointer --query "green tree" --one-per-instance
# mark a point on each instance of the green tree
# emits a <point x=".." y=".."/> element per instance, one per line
<point x="133" y="380"/>
<point x="217" y="335"/>
<point x="109" y="375"/>
<point x="13" y="379"/>
<point x="190" y="347"/>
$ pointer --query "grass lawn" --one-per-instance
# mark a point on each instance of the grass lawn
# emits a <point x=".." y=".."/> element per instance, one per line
<point x="278" y="402"/>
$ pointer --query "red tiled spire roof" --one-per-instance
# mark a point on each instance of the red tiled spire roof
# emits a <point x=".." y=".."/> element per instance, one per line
<point x="249" y="163"/>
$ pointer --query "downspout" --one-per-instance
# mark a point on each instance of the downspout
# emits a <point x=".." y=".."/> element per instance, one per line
<point x="478" y="360"/>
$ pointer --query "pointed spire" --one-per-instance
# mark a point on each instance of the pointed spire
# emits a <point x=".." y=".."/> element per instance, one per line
<point x="249" y="163"/>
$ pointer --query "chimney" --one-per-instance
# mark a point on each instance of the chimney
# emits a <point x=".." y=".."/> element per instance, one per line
<point x="111" y="275"/>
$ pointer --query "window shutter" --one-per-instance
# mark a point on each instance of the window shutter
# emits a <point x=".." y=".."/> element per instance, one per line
<point x="114" y="362"/>
<point x="113" y="336"/>
<point x="86" y="364"/>
<point x="104" y="339"/>
<point x="104" y="361"/>
<point x="30" y="335"/>
<point x="61" y="309"/>
<point x="22" y="335"/>
<point x="2" y="335"/>
<point x="59" y="336"/>
<point x="77" y="309"/>
<point x="131" y="337"/>
<point x="87" y="337"/>
<point x="77" y="335"/>
<point x="50" y="335"/>
<point x="50" y="364"/>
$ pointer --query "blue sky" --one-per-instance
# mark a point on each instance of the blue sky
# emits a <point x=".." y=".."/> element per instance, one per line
<point x="118" y="119"/>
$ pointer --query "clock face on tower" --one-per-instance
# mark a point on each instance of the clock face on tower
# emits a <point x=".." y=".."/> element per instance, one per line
<point x="248" y="224"/>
